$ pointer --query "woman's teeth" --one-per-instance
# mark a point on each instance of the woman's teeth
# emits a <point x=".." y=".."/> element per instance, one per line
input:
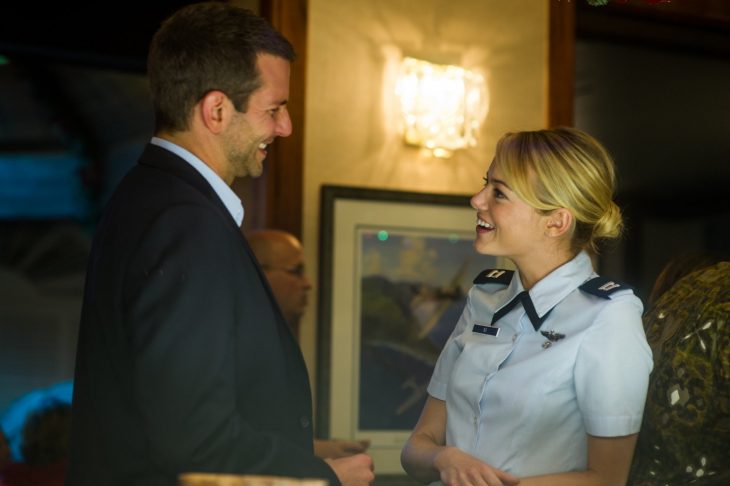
<point x="484" y="224"/>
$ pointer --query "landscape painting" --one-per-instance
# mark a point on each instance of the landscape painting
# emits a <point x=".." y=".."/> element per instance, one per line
<point x="394" y="271"/>
<point x="413" y="288"/>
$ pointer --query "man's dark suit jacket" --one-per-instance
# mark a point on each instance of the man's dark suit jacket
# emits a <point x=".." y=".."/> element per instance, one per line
<point x="184" y="361"/>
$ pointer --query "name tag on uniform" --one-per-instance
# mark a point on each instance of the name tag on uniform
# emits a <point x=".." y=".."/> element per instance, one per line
<point x="488" y="330"/>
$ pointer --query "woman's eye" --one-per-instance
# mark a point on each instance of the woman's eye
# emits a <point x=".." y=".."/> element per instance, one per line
<point x="499" y="194"/>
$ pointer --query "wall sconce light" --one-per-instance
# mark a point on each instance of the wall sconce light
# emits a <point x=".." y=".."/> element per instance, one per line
<point x="442" y="106"/>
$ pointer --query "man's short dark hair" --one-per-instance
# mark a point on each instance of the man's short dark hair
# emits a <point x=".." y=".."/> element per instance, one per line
<point x="204" y="47"/>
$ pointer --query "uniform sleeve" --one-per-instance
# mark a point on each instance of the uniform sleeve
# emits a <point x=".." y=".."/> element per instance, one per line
<point x="612" y="369"/>
<point x="180" y="321"/>
<point x="450" y="353"/>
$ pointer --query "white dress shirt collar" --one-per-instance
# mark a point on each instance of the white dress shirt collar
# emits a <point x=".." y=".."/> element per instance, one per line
<point x="229" y="198"/>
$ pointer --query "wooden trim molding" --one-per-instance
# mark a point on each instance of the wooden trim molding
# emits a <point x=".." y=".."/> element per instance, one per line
<point x="561" y="62"/>
<point x="284" y="177"/>
<point x="697" y="27"/>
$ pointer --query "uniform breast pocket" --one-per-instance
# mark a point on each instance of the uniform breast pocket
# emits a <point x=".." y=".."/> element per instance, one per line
<point x="548" y="382"/>
<point x="480" y="357"/>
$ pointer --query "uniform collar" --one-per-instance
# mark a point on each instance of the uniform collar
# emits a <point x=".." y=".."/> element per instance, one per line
<point x="552" y="289"/>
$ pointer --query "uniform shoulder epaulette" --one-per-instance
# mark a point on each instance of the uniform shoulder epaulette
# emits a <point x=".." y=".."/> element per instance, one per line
<point x="603" y="287"/>
<point x="494" y="275"/>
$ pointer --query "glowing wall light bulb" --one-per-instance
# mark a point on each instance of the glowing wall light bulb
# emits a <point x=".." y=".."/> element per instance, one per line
<point x="442" y="106"/>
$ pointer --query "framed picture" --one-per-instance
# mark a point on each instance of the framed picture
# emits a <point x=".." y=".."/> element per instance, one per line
<point x="395" y="268"/>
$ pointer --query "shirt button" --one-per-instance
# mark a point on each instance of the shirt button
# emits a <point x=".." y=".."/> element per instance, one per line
<point x="304" y="422"/>
<point x="514" y="337"/>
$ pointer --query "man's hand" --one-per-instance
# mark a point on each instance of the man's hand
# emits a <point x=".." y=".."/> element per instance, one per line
<point x="458" y="468"/>
<point x="354" y="470"/>
<point x="336" y="448"/>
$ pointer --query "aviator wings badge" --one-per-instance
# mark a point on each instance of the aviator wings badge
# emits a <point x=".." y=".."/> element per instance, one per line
<point x="552" y="336"/>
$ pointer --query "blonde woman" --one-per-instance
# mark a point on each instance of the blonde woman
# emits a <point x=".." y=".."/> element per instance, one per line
<point x="544" y="378"/>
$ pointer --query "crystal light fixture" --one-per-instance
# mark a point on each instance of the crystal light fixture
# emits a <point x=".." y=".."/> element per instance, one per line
<point x="442" y="106"/>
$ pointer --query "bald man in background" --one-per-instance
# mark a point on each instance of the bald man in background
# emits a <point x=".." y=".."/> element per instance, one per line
<point x="282" y="258"/>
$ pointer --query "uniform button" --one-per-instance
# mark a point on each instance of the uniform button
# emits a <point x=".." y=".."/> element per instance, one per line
<point x="514" y="337"/>
<point x="304" y="422"/>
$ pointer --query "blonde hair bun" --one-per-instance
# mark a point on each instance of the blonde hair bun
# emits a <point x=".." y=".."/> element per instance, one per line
<point x="564" y="168"/>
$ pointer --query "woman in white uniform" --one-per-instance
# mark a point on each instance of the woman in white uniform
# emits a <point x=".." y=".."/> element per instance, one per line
<point x="544" y="378"/>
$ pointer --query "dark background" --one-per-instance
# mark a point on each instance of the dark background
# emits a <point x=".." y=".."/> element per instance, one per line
<point x="99" y="34"/>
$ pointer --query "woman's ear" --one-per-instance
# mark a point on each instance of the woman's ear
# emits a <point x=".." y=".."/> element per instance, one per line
<point x="213" y="110"/>
<point x="559" y="222"/>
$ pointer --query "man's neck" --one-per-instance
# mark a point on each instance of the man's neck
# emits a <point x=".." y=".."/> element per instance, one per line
<point x="206" y="151"/>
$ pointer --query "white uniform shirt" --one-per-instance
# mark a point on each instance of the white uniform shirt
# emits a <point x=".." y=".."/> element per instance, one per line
<point x="525" y="406"/>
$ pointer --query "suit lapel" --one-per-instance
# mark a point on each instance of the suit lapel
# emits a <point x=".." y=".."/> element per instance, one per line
<point x="162" y="159"/>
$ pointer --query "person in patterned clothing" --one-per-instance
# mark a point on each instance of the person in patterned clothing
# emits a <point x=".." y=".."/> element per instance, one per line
<point x="685" y="433"/>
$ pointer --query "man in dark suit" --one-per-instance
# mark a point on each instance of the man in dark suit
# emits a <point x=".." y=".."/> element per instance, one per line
<point x="185" y="363"/>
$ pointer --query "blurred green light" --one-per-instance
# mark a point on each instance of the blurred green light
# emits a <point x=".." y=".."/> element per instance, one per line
<point x="382" y="235"/>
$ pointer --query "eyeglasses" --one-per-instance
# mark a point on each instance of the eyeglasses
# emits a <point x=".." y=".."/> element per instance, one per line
<point x="297" y="271"/>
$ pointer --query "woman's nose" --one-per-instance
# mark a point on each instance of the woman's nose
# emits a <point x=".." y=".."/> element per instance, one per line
<point x="479" y="200"/>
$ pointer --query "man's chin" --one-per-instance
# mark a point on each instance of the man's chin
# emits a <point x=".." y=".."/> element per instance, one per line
<point x="252" y="170"/>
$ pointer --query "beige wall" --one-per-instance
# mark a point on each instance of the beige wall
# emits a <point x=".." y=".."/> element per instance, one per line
<point x="350" y="136"/>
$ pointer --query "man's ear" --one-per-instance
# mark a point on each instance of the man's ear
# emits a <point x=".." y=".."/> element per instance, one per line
<point x="559" y="222"/>
<point x="214" y="110"/>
